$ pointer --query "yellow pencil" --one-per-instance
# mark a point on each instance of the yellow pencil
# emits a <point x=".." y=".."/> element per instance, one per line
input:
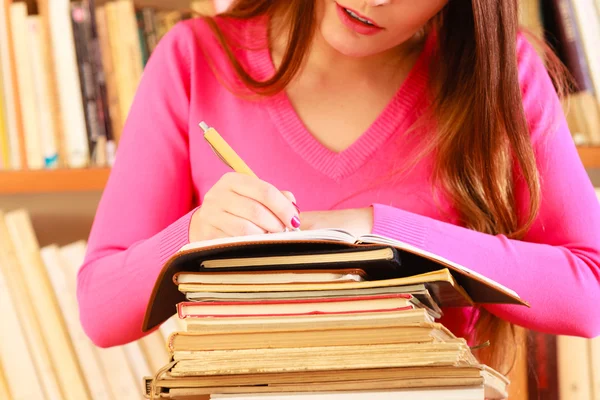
<point x="224" y="151"/>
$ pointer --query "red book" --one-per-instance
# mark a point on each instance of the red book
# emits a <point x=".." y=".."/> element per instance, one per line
<point x="281" y="307"/>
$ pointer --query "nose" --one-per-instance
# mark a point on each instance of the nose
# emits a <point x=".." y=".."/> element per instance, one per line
<point x="375" y="3"/>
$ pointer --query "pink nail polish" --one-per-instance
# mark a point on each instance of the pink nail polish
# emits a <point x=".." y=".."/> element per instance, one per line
<point x="297" y="208"/>
<point x="296" y="222"/>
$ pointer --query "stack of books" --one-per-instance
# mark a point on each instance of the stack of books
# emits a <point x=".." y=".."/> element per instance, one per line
<point x="316" y="314"/>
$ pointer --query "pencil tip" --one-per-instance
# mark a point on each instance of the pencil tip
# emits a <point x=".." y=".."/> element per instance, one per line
<point x="204" y="126"/>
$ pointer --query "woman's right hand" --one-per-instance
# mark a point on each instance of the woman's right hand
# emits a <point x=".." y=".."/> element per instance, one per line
<point x="240" y="205"/>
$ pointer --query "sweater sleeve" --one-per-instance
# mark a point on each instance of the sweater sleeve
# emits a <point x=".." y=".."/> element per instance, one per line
<point x="556" y="267"/>
<point x="144" y="213"/>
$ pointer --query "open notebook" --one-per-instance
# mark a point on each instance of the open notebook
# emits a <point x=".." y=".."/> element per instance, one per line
<point x="402" y="260"/>
<point x="338" y="235"/>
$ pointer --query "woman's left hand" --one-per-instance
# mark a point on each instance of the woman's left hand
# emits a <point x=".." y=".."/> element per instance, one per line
<point x="357" y="221"/>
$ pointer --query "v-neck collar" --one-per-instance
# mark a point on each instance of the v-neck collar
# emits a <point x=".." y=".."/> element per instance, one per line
<point x="399" y="114"/>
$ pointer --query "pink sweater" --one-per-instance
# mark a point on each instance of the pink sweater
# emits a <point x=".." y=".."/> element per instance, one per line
<point x="164" y="167"/>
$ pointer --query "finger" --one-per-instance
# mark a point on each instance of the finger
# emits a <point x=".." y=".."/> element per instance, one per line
<point x="233" y="225"/>
<point x="213" y="232"/>
<point x="253" y="211"/>
<point x="290" y="196"/>
<point x="268" y="195"/>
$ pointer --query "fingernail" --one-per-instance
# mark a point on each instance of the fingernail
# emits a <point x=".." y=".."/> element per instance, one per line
<point x="297" y="208"/>
<point x="296" y="222"/>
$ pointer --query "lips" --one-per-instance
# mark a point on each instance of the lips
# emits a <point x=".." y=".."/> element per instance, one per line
<point x="360" y="17"/>
<point x="357" y="22"/>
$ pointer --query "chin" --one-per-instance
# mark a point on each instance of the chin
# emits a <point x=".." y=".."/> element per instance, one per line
<point x="348" y="43"/>
<point x="348" y="46"/>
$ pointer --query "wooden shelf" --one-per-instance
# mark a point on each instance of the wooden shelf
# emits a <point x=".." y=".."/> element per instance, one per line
<point x="53" y="181"/>
<point x="590" y="156"/>
<point x="94" y="179"/>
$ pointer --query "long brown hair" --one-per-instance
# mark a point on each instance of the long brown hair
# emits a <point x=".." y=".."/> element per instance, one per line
<point x="481" y="143"/>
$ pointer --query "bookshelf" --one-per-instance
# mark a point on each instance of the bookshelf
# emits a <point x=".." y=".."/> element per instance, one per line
<point x="53" y="181"/>
<point x="590" y="156"/>
<point x="94" y="179"/>
<point x="62" y="202"/>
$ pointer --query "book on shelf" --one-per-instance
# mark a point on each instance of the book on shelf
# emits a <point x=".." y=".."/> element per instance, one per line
<point x="72" y="67"/>
<point x="563" y="367"/>
<point x="268" y="316"/>
<point x="44" y="352"/>
<point x="572" y="28"/>
<point x="84" y="59"/>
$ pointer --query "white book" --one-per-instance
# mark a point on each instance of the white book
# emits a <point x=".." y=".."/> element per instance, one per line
<point x="12" y="268"/>
<point x="113" y="361"/>
<point x="69" y="89"/>
<point x="137" y="362"/>
<point x="131" y="47"/>
<point x="4" y="391"/>
<point x="170" y="326"/>
<point x="84" y="348"/>
<point x="73" y="255"/>
<point x="588" y="19"/>
<point x="40" y="73"/>
<point x="27" y="95"/>
<point x="115" y="365"/>
<point x="15" y="357"/>
<point x="4" y="145"/>
<point x="469" y="393"/>
<point x="574" y="368"/>
<point x="45" y="305"/>
<point x="155" y="350"/>
<point x="594" y="345"/>
<point x="8" y="84"/>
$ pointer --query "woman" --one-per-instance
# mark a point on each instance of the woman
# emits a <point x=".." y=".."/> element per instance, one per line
<point x="431" y="122"/>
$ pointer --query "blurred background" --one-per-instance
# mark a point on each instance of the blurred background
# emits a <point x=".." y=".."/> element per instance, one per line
<point x="67" y="65"/>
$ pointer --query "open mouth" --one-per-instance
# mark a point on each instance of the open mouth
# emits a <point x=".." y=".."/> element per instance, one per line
<point x="357" y="17"/>
<point x="356" y="22"/>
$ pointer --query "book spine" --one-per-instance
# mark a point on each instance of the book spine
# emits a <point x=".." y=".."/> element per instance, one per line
<point x="15" y="353"/>
<point x="570" y="46"/>
<point x="159" y="18"/>
<point x="141" y="31"/>
<point x="109" y="150"/>
<point x="4" y="145"/>
<point x="60" y="131"/>
<point x="10" y="92"/>
<point x="129" y="53"/>
<point x="81" y="26"/>
<point x="108" y="67"/>
<point x="588" y="21"/>
<point x="66" y="75"/>
<point x="149" y="16"/>
<point x="542" y="375"/>
<point x="27" y="95"/>
<point x="594" y="350"/>
<point x="574" y="368"/>
<point x="41" y="81"/>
